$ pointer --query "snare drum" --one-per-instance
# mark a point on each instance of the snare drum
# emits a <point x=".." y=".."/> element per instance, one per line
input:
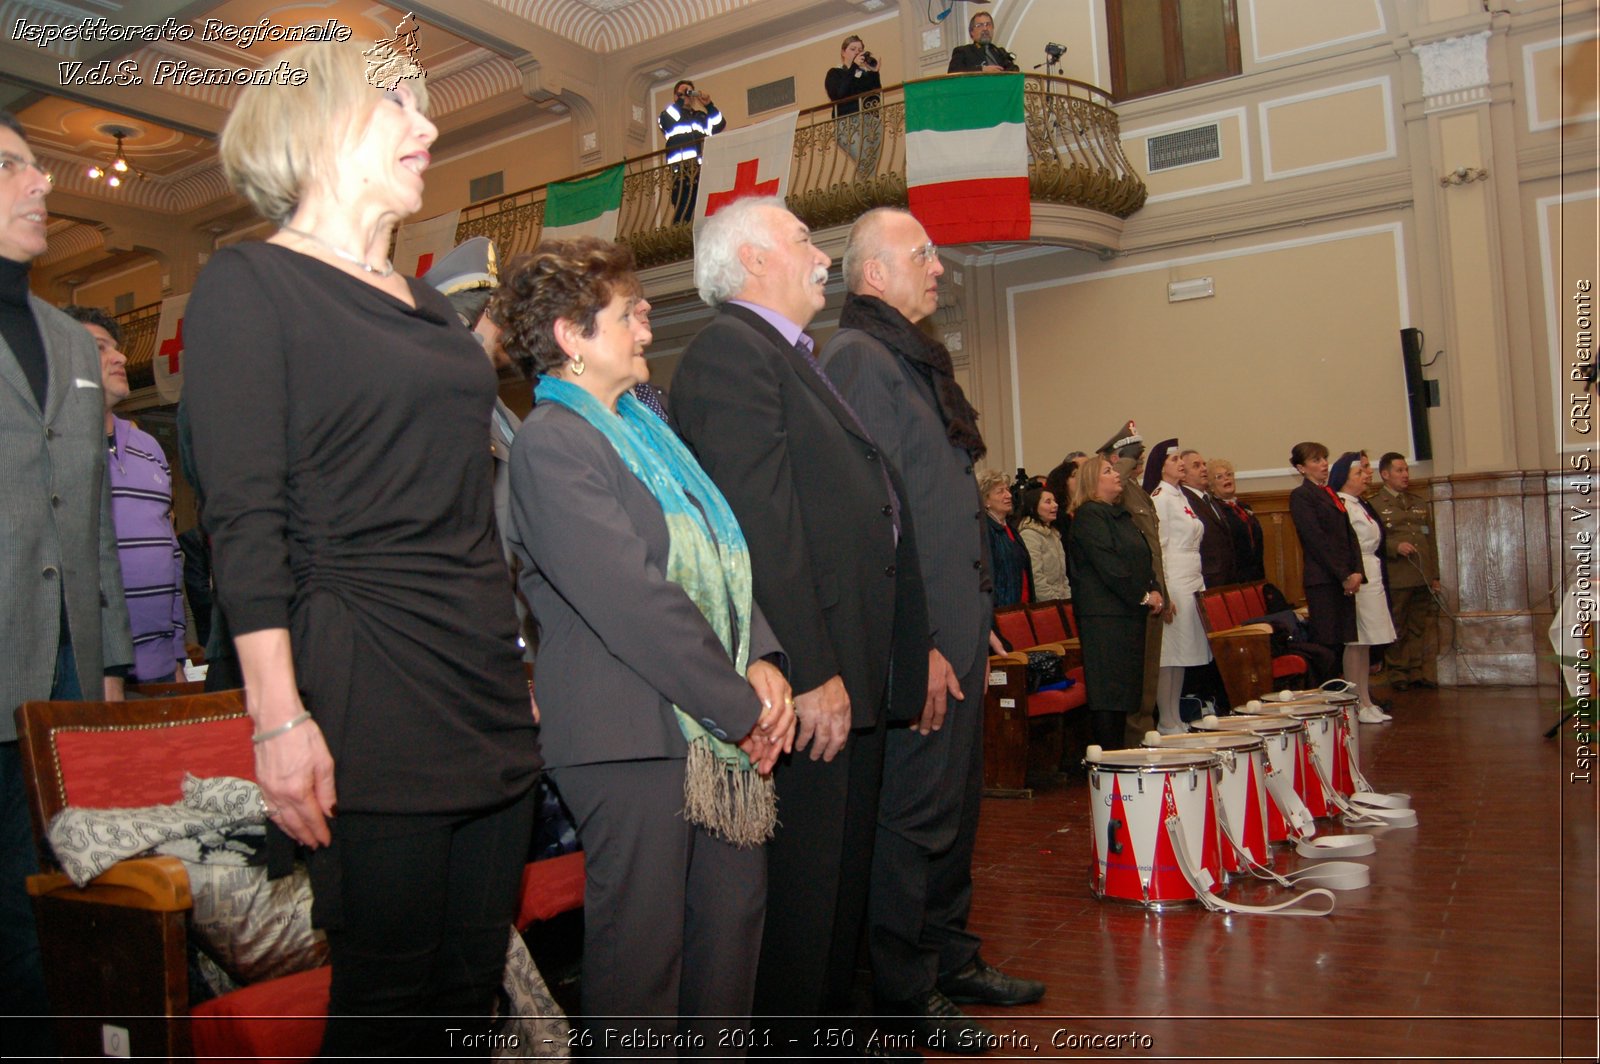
<point x="1241" y="789"/>
<point x="1284" y="738"/>
<point x="1323" y="727"/>
<point x="1132" y="793"/>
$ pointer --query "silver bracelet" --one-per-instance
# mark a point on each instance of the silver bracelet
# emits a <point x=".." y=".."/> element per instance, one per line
<point x="261" y="737"/>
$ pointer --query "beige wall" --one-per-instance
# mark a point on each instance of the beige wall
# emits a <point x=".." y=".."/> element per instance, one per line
<point x="144" y="281"/>
<point x="528" y="157"/>
<point x="1299" y="342"/>
<point x="807" y="61"/>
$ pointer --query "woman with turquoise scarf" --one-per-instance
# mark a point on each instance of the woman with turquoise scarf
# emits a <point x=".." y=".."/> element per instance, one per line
<point x="662" y="697"/>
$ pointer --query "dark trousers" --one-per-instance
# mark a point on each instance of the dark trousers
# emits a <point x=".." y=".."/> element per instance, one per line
<point x="418" y="912"/>
<point x="922" y="864"/>
<point x="671" y="915"/>
<point x="685" y="189"/>
<point x="22" y="991"/>
<point x="818" y="867"/>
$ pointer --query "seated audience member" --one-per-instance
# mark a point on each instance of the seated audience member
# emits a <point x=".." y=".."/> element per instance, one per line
<point x="141" y="509"/>
<point x="1249" y="545"/>
<point x="686" y="122"/>
<point x="982" y="55"/>
<point x="663" y="713"/>
<point x="1008" y="558"/>
<point x="1046" y="552"/>
<point x="856" y="124"/>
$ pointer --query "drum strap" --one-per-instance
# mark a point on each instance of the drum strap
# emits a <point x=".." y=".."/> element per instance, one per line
<point x="1339" y="875"/>
<point x="1200" y="880"/>
<point x="1301" y="823"/>
<point x="1374" y="814"/>
<point x="1365" y="793"/>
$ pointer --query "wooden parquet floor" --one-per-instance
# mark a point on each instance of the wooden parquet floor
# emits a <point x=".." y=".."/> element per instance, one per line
<point x="1476" y="939"/>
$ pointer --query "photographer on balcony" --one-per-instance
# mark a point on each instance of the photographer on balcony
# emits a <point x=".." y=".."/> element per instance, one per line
<point x="856" y="124"/>
<point x="982" y="55"/>
<point x="686" y="122"/>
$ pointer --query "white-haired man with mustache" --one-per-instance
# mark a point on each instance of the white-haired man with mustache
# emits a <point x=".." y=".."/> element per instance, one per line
<point x="834" y="570"/>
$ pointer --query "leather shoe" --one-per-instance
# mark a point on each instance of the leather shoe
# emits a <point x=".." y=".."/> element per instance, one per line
<point x="939" y="1025"/>
<point x="981" y="984"/>
<point x="1426" y="685"/>
<point x="1401" y="685"/>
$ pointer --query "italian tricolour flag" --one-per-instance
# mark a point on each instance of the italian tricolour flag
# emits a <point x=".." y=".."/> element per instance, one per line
<point x="586" y="206"/>
<point x="967" y="158"/>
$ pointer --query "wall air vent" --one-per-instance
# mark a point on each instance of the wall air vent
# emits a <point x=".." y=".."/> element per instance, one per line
<point x="771" y="96"/>
<point x="1183" y="147"/>
<point x="486" y="187"/>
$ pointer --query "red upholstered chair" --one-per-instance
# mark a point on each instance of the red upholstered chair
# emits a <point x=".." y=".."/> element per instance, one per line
<point x="1011" y="716"/>
<point x="1255" y="598"/>
<point x="115" y="950"/>
<point x="1217" y="618"/>
<point x="166" y="689"/>
<point x="1072" y="619"/>
<point x="1238" y="609"/>
<point x="1013" y="625"/>
<point x="1243" y="652"/>
<point x="1048" y="624"/>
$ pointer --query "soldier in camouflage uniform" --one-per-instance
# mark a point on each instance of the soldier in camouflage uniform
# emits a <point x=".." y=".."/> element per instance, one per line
<point x="1413" y="574"/>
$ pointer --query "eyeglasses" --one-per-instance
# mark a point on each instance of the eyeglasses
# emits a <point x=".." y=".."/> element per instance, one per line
<point x="925" y="254"/>
<point x="13" y="163"/>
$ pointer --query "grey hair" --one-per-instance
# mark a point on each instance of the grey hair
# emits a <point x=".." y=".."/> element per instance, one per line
<point x="718" y="273"/>
<point x="865" y="243"/>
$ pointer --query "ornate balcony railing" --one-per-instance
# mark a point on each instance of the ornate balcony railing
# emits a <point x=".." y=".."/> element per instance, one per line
<point x="139" y="342"/>
<point x="845" y="166"/>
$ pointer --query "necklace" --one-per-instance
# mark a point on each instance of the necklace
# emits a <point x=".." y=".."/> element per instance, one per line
<point x="386" y="270"/>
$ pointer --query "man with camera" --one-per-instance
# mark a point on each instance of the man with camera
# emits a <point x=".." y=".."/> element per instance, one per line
<point x="686" y="122"/>
<point x="982" y="55"/>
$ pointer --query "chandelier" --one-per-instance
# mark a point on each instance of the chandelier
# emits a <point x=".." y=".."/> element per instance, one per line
<point x="118" y="169"/>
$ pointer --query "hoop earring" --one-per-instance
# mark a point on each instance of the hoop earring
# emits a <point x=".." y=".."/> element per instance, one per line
<point x="578" y="365"/>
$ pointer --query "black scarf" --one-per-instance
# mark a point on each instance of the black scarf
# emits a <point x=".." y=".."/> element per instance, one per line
<point x="891" y="329"/>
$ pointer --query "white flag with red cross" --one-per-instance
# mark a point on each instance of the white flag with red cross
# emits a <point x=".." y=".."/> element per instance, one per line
<point x="167" y="361"/>
<point x="753" y="161"/>
<point x="419" y="245"/>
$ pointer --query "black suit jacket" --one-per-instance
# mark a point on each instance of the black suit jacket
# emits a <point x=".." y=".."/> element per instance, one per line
<point x="1249" y="545"/>
<point x="1217" y="564"/>
<point x="808" y="486"/>
<point x="1326" y="538"/>
<point x="970" y="58"/>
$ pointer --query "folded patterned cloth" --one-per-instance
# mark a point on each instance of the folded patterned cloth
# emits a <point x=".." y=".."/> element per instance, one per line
<point x="218" y="820"/>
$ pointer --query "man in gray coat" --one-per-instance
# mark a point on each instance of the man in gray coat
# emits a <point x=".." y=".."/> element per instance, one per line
<point x="63" y="621"/>
<point x="835" y="570"/>
<point x="899" y="382"/>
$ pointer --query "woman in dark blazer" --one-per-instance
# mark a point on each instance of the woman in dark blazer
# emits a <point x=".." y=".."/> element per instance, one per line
<point x="1332" y="568"/>
<point x="662" y="707"/>
<point x="1009" y="563"/>
<point x="1114" y="592"/>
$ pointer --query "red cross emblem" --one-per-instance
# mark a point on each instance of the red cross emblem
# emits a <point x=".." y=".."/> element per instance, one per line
<point x="744" y="184"/>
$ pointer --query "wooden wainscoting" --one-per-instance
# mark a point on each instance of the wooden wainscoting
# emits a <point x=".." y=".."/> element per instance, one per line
<point x="1501" y="564"/>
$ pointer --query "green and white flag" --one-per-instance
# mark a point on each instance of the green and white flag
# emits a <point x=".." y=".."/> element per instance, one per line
<point x="586" y="206"/>
<point x="967" y="158"/>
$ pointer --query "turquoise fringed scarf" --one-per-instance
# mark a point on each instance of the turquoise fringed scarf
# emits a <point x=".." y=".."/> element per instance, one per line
<point x="709" y="559"/>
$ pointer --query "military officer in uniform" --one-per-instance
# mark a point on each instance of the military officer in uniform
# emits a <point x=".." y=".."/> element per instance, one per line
<point x="1412" y="660"/>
